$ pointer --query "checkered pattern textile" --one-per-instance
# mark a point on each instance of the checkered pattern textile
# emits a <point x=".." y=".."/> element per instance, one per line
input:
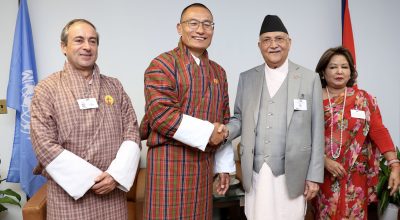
<point x="95" y="135"/>
<point x="179" y="177"/>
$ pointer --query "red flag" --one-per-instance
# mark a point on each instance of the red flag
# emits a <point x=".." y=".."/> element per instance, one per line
<point x="347" y="31"/>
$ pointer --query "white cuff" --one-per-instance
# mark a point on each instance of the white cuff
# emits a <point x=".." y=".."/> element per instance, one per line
<point x="194" y="132"/>
<point x="123" y="168"/>
<point x="224" y="159"/>
<point x="74" y="174"/>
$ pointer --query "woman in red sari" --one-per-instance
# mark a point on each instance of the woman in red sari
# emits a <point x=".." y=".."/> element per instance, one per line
<point x="354" y="137"/>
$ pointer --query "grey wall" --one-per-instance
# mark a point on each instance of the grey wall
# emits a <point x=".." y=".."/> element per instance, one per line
<point x="134" y="32"/>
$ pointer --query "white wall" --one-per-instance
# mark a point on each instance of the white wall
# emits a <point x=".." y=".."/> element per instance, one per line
<point x="134" y="32"/>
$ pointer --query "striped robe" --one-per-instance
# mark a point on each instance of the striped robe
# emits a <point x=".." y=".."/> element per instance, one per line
<point x="95" y="135"/>
<point x="179" y="177"/>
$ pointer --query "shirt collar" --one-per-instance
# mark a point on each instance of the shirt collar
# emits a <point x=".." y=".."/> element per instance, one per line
<point x="196" y="59"/>
<point x="282" y="70"/>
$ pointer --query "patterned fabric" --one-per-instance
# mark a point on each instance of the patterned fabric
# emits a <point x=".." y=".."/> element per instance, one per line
<point x="95" y="135"/>
<point x="179" y="177"/>
<point x="348" y="197"/>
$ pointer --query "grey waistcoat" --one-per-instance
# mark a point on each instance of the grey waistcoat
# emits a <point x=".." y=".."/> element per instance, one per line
<point x="271" y="130"/>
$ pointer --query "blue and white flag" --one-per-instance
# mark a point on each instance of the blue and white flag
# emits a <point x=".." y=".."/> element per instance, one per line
<point x="23" y="78"/>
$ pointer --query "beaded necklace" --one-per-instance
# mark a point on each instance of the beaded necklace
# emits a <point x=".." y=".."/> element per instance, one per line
<point x="337" y="153"/>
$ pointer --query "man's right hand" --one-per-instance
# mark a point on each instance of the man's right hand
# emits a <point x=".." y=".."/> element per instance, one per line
<point x="104" y="184"/>
<point x="219" y="134"/>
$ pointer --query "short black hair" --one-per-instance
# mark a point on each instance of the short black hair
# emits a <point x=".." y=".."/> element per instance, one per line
<point x="194" y="5"/>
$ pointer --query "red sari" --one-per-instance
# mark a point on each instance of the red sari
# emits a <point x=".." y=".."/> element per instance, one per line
<point x="362" y="140"/>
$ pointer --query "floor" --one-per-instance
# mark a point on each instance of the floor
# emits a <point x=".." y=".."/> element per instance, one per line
<point x="372" y="214"/>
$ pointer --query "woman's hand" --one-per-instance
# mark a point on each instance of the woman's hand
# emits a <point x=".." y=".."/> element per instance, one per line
<point x="394" y="179"/>
<point x="335" y="168"/>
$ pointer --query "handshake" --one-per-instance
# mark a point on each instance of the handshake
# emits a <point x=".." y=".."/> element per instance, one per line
<point x="219" y="134"/>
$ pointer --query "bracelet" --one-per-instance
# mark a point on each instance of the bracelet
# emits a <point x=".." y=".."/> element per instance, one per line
<point x="392" y="162"/>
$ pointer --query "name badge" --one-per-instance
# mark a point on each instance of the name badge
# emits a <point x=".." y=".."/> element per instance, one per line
<point x="300" y="104"/>
<point x="88" y="103"/>
<point x="355" y="113"/>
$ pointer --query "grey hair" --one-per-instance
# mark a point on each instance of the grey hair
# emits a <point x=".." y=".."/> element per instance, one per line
<point x="64" y="32"/>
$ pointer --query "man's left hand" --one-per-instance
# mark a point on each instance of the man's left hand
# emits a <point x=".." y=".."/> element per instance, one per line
<point x="223" y="183"/>
<point x="104" y="184"/>
<point x="310" y="190"/>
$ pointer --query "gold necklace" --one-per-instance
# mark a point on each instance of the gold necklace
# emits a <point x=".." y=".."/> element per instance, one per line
<point x="337" y="153"/>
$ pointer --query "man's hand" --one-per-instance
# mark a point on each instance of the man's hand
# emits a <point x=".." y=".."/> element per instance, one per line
<point x="224" y="130"/>
<point x="219" y="134"/>
<point x="310" y="190"/>
<point x="223" y="183"/>
<point x="105" y="183"/>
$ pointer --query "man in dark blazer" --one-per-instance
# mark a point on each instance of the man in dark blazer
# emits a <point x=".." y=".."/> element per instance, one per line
<point x="279" y="115"/>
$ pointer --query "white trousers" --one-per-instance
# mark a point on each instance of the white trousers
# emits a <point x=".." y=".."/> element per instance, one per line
<point x="269" y="198"/>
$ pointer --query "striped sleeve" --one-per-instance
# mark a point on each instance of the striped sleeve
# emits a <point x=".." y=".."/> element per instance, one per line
<point x="162" y="104"/>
